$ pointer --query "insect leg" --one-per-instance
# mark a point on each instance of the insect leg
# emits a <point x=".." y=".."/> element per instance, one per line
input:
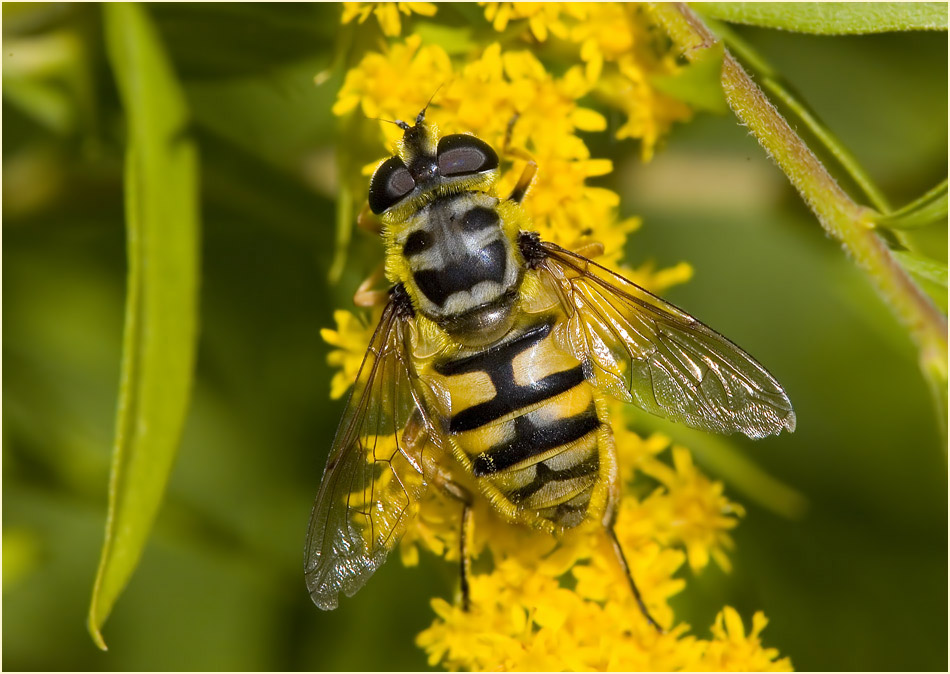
<point x="518" y="193"/>
<point x="612" y="535"/>
<point x="524" y="182"/>
<point x="365" y="296"/>
<point x="465" y="564"/>
<point x="508" y="131"/>
<point x="368" y="221"/>
<point x="508" y="150"/>
<point x="590" y="250"/>
<point x="461" y="494"/>
<point x="414" y="437"/>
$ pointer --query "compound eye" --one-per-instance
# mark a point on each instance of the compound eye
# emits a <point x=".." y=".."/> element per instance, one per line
<point x="461" y="154"/>
<point x="389" y="185"/>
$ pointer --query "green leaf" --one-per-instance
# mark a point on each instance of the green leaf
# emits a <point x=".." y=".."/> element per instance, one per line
<point x="161" y="193"/>
<point x="831" y="18"/>
<point x="929" y="209"/>
<point x="699" y="83"/>
<point x="930" y="274"/>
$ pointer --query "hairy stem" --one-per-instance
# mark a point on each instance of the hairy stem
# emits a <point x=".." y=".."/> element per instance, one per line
<point x="850" y="223"/>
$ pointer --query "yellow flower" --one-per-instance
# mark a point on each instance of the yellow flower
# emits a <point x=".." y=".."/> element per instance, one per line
<point x="691" y="510"/>
<point x="388" y="84"/>
<point x="633" y="451"/>
<point x="351" y="338"/>
<point x="650" y="113"/>
<point x="387" y="13"/>
<point x="730" y="650"/>
<point x="543" y="17"/>
<point x="607" y="34"/>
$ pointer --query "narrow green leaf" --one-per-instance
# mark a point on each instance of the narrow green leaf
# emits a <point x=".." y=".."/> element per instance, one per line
<point x="923" y="267"/>
<point x="929" y="274"/>
<point x="698" y="83"/>
<point x="929" y="209"/>
<point x="161" y="192"/>
<point x="831" y="18"/>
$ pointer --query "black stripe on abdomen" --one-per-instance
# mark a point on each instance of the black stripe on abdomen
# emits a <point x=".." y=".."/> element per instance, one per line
<point x="546" y="476"/>
<point x="531" y="439"/>
<point x="496" y="357"/>
<point x="509" y="396"/>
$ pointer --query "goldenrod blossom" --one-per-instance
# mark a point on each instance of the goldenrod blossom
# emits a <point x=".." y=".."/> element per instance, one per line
<point x="620" y="56"/>
<point x="543" y="17"/>
<point x="387" y="13"/>
<point x="731" y="650"/>
<point x="400" y="79"/>
<point x="350" y="338"/>
<point x="691" y="510"/>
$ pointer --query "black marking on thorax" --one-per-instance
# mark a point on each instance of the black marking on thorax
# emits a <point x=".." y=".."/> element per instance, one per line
<point x="496" y="362"/>
<point x="461" y="267"/>
<point x="488" y="264"/>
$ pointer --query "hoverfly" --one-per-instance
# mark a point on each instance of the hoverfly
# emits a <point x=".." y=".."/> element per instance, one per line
<point x="495" y="352"/>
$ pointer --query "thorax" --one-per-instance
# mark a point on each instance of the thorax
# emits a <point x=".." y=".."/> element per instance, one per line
<point x="459" y="262"/>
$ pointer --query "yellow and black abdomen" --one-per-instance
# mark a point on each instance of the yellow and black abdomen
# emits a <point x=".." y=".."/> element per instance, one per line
<point x="524" y="420"/>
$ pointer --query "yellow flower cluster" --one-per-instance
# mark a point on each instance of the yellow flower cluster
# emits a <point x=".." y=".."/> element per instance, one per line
<point x="601" y="637"/>
<point x="563" y="604"/>
<point x="509" y="100"/>
<point x="387" y="13"/>
<point x="541" y="602"/>
<point x="620" y="53"/>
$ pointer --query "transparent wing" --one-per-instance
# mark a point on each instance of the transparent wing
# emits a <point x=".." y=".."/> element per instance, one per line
<point x="644" y="350"/>
<point x="373" y="479"/>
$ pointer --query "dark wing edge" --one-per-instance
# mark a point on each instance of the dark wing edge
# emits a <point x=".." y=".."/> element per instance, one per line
<point x="641" y="349"/>
<point x="371" y="482"/>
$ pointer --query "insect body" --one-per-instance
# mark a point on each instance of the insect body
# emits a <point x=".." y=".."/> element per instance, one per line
<point x="497" y="351"/>
<point x="526" y="421"/>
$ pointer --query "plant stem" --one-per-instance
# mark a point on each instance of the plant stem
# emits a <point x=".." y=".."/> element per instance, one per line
<point x="848" y="222"/>
<point x="773" y="84"/>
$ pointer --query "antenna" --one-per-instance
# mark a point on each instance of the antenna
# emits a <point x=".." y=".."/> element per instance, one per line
<point x="398" y="122"/>
<point x="422" y="113"/>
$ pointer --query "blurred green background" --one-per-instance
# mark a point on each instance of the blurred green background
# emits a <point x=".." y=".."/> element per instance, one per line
<point x="858" y="582"/>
